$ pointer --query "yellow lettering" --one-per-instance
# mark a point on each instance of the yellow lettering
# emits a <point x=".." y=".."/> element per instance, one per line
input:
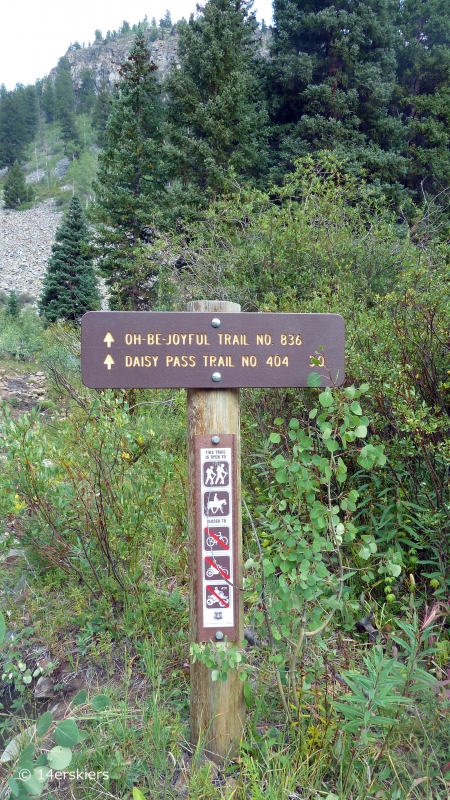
<point x="236" y="339"/>
<point x="244" y="339"/>
<point x="191" y="361"/>
<point x="169" y="341"/>
<point x="191" y="337"/>
<point x="137" y="338"/>
<point x="205" y="359"/>
<point x="183" y="337"/>
<point x="184" y="361"/>
<point x="259" y="338"/>
<point x="150" y="338"/>
<point x="169" y="360"/>
<point x="212" y="361"/>
<point x="221" y="362"/>
<point x="128" y="361"/>
<point x="155" y="360"/>
<point x="136" y="362"/>
<point x="229" y="362"/>
<point x="148" y="363"/>
<point x="220" y="337"/>
<point x="227" y="338"/>
<point x="158" y="337"/>
<point x="129" y="338"/>
<point x="176" y="362"/>
<point x="199" y="338"/>
<point x="245" y="361"/>
<point x="176" y="338"/>
<point x="264" y="339"/>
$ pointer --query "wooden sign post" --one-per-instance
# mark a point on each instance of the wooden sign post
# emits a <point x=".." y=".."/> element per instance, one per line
<point x="217" y="709"/>
<point x="212" y="350"/>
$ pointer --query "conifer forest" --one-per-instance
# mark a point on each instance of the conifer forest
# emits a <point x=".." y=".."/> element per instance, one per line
<point x="302" y="166"/>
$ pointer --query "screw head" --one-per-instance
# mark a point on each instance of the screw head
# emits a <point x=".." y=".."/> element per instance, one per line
<point x="215" y="322"/>
<point x="219" y="635"/>
<point x="215" y="439"/>
<point x="216" y="376"/>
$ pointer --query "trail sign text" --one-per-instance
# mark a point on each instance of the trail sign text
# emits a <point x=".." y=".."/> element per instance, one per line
<point x="141" y="349"/>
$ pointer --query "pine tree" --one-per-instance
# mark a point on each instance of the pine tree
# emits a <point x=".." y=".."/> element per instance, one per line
<point x="217" y="121"/>
<point x="48" y="101"/>
<point x="65" y="102"/>
<point x="86" y="93"/>
<point x="130" y="181"/>
<point x="331" y="79"/>
<point x="423" y="92"/>
<point x="15" y="191"/>
<point x="12" y="305"/>
<point x="70" y="286"/>
<point x="101" y="112"/>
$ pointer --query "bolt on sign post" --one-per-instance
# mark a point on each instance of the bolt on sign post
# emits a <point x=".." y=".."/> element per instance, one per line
<point x="212" y="350"/>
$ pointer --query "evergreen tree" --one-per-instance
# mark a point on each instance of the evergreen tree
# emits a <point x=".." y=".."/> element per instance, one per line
<point x="130" y="181"/>
<point x="331" y="79"/>
<point x="15" y="191"/>
<point x="48" y="100"/>
<point x="86" y="94"/>
<point x="70" y="286"/>
<point x="12" y="305"/>
<point x="101" y="112"/>
<point x="65" y="101"/>
<point x="166" y="21"/>
<point x="12" y="128"/>
<point x="217" y="121"/>
<point x="423" y="92"/>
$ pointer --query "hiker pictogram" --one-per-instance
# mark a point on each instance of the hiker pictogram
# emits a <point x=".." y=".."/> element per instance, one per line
<point x="216" y="503"/>
<point x="216" y="538"/>
<point x="217" y="567"/>
<point x="218" y="596"/>
<point x="217" y="474"/>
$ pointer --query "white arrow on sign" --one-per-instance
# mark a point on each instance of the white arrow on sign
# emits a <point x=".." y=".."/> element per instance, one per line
<point x="109" y="361"/>
<point x="109" y="338"/>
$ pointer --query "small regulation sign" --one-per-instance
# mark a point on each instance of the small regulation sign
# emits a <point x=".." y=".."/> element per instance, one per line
<point x="147" y="349"/>
<point x="216" y="496"/>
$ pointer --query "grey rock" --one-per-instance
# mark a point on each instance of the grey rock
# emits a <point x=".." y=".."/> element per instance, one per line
<point x="44" y="687"/>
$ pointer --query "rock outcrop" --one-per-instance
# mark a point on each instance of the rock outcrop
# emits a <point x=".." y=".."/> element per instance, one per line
<point x="104" y="58"/>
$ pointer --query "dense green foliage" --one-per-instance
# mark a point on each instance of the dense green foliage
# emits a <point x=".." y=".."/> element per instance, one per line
<point x="130" y="180"/>
<point x="216" y="120"/>
<point x="70" y="285"/>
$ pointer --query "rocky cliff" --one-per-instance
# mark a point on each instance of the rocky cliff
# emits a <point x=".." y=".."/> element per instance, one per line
<point x="104" y="58"/>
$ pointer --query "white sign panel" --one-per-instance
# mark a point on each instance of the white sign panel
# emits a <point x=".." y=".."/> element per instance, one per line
<point x="217" y="536"/>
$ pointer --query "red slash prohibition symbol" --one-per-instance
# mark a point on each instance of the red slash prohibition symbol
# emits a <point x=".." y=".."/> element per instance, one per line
<point x="216" y="566"/>
<point x="219" y="541"/>
<point x="220" y="599"/>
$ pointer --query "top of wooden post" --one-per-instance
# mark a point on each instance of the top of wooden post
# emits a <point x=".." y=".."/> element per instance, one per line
<point x="213" y="306"/>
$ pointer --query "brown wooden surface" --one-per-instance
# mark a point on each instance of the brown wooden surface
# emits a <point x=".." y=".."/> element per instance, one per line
<point x="217" y="709"/>
<point x="168" y="349"/>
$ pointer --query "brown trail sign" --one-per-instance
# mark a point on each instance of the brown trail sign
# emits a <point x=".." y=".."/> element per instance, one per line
<point x="142" y="349"/>
<point x="212" y="350"/>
